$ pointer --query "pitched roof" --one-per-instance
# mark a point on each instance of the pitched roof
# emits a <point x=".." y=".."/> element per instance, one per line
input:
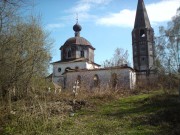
<point x="142" y="19"/>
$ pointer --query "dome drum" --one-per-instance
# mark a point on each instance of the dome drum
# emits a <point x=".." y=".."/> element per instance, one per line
<point x="77" y="47"/>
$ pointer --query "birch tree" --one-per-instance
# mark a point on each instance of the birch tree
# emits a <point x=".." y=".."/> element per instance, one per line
<point x="24" y="49"/>
<point x="168" y="45"/>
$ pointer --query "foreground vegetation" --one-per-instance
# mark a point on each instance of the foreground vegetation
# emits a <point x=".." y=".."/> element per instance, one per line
<point x="26" y="108"/>
<point x="101" y="113"/>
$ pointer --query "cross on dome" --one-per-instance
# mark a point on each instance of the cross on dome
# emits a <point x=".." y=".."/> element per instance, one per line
<point x="77" y="28"/>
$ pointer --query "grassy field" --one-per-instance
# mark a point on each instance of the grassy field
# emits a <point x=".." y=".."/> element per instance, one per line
<point x="154" y="113"/>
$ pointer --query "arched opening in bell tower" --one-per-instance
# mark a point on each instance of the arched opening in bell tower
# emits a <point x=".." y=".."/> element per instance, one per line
<point x="142" y="33"/>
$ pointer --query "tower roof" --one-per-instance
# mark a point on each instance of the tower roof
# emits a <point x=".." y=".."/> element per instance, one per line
<point x="142" y="19"/>
<point x="77" y="39"/>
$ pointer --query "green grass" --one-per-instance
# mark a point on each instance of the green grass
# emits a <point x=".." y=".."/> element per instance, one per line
<point x="144" y="114"/>
<point x="155" y="113"/>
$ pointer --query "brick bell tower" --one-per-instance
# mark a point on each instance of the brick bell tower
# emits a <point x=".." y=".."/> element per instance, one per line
<point x="142" y="41"/>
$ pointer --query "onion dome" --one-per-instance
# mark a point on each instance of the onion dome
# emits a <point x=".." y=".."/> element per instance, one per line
<point x="77" y="40"/>
<point x="77" y="28"/>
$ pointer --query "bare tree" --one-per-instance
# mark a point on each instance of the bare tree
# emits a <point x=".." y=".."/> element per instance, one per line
<point x="168" y="45"/>
<point x="24" y="50"/>
<point x="119" y="58"/>
<point x="168" y="52"/>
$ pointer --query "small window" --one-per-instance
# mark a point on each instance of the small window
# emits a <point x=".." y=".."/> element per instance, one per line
<point x="82" y="53"/>
<point x="69" y="54"/>
<point x="67" y="69"/>
<point x="96" y="80"/>
<point x="143" y="59"/>
<point x="59" y="69"/>
<point x="142" y="33"/>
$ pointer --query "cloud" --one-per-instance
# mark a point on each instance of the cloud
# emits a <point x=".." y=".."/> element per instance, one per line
<point x="86" y="5"/>
<point x="82" y="17"/>
<point x="162" y="11"/>
<point x="54" y="26"/>
<point x="83" y="7"/>
<point x="80" y="8"/>
<point x="124" y="18"/>
<point x="158" y="12"/>
<point x="104" y="2"/>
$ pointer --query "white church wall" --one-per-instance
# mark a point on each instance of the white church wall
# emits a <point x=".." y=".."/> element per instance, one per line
<point x="125" y="78"/>
<point x="63" y="66"/>
<point x="91" y="54"/>
<point x="74" y="65"/>
<point x="132" y="80"/>
<point x="91" y="66"/>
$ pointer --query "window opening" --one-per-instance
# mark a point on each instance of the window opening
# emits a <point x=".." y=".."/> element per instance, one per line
<point x="69" y="54"/>
<point x="142" y="33"/>
<point x="143" y="59"/>
<point x="96" y="80"/>
<point x="67" y="69"/>
<point x="82" y="53"/>
<point x="59" y="69"/>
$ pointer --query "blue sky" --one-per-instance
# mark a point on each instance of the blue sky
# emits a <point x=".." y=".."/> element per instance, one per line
<point x="106" y="24"/>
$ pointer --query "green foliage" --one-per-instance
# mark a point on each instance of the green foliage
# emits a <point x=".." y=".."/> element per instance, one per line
<point x="145" y="114"/>
<point x="24" y="49"/>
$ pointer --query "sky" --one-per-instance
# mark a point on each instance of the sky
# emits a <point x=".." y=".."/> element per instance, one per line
<point x="106" y="24"/>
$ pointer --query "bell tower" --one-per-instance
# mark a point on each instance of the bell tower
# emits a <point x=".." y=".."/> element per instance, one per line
<point x="142" y="40"/>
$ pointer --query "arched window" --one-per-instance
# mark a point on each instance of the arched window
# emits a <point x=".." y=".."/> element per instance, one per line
<point x="114" y="80"/>
<point x="67" y="69"/>
<point x="96" y="80"/>
<point x="59" y="69"/>
<point x="82" y="53"/>
<point x="142" y="33"/>
<point x="69" y="54"/>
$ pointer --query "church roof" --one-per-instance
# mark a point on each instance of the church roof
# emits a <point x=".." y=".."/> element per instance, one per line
<point x="77" y="39"/>
<point x="142" y="19"/>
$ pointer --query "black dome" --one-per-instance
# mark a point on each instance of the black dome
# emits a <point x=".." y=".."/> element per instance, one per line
<point x="77" y="27"/>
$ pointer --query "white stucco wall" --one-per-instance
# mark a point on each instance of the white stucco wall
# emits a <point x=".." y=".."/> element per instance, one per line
<point x="58" y="78"/>
<point x="63" y="66"/>
<point x="91" y="66"/>
<point x="126" y="78"/>
<point x="73" y="65"/>
<point x="132" y="80"/>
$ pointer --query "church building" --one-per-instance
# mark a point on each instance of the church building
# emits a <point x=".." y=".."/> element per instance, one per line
<point x="77" y="59"/>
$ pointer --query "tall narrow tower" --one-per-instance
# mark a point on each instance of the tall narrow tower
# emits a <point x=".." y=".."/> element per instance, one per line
<point x="142" y="40"/>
